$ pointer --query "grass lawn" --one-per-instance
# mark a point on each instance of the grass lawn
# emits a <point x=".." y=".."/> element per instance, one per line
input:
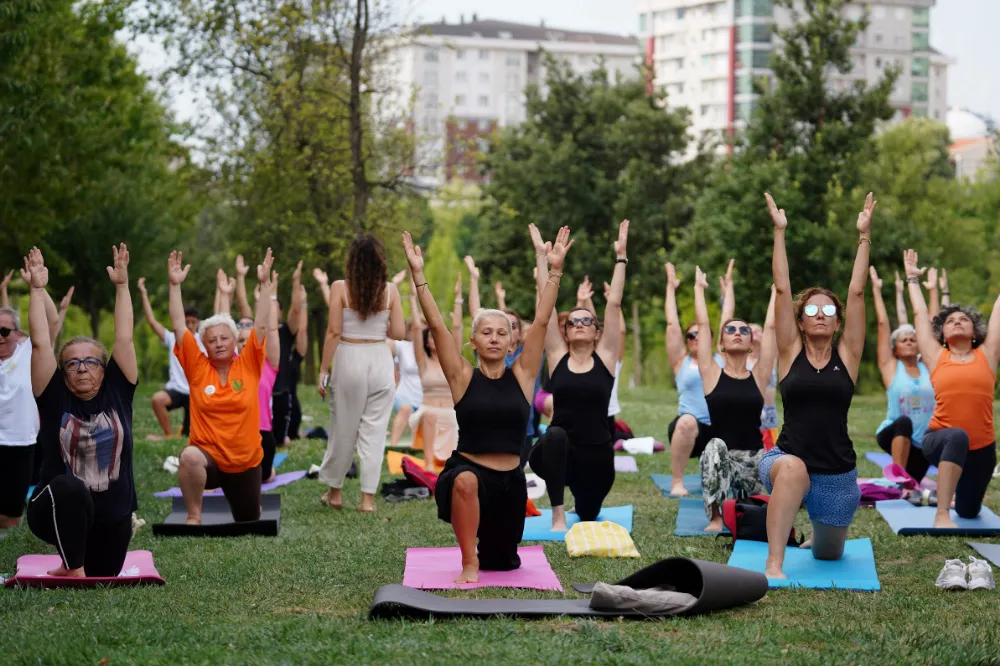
<point x="303" y="597"/>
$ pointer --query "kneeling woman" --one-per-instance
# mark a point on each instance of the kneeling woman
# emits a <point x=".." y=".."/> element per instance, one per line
<point x="578" y="448"/>
<point x="225" y="447"/>
<point x="814" y="459"/>
<point x="482" y="489"/>
<point x="735" y="398"/>
<point x="84" y="500"/>
<point x="961" y="353"/>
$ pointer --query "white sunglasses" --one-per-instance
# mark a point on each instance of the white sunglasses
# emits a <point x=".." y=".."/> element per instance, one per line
<point x="813" y="310"/>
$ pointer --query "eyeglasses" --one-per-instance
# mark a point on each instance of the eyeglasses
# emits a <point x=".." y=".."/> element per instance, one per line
<point x="691" y="335"/>
<point x="244" y="324"/>
<point x="812" y="310"/>
<point x="4" y="332"/>
<point x="731" y="330"/>
<point x="90" y="363"/>
<point x="581" y="321"/>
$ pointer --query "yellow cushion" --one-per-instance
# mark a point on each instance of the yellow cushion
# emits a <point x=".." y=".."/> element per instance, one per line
<point x="604" y="539"/>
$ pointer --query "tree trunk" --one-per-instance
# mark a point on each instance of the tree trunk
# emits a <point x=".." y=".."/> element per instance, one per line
<point x="94" y="312"/>
<point x="636" y="346"/>
<point x="359" y="174"/>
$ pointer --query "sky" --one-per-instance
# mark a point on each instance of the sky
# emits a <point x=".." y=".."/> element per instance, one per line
<point x="964" y="30"/>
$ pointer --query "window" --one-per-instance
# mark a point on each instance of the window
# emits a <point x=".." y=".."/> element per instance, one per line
<point x="878" y="13"/>
<point x="484" y="125"/>
<point x="459" y="100"/>
<point x="919" y="112"/>
<point x="642" y="23"/>
<point x="484" y="77"/>
<point x="756" y="59"/>
<point x="461" y="77"/>
<point x="918" y="91"/>
<point x="921" y="41"/>
<point x="430" y="55"/>
<point x="431" y="100"/>
<point x="920" y="67"/>
<point x="430" y="78"/>
<point x="878" y="63"/>
<point x="899" y="14"/>
<point x="462" y="125"/>
<point x="760" y="34"/>
<point x="921" y="17"/>
<point x="744" y="85"/>
<point x="745" y="111"/>
<point x="484" y="54"/>
<point x="459" y="54"/>
<point x="513" y="81"/>
<point x="513" y="59"/>
<point x="680" y="13"/>
<point x="484" y="100"/>
<point x="753" y="7"/>
<point x="878" y="38"/>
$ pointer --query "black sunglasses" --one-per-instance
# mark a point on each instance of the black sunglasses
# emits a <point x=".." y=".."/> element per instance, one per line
<point x="89" y="363"/>
<point x="4" y="332"/>
<point x="691" y="335"/>
<point x="730" y="330"/>
<point x="581" y="321"/>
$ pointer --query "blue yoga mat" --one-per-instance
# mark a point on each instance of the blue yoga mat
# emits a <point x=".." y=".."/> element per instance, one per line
<point x="882" y="459"/>
<point x="539" y="528"/>
<point x="691" y="520"/>
<point x="908" y="520"/>
<point x="279" y="458"/>
<point x="691" y="481"/>
<point x="854" y="571"/>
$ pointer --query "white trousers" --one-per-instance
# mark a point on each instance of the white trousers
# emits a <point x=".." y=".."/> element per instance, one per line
<point x="363" y="387"/>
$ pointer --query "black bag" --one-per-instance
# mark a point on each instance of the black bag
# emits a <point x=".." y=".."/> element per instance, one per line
<point x="747" y="519"/>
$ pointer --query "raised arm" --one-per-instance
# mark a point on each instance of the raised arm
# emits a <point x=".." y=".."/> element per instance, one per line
<point x="852" y="342"/>
<point x="302" y="334"/>
<point x="272" y="343"/>
<point x="930" y="348"/>
<point x="334" y="329"/>
<point x="901" y="315"/>
<point x="553" y="341"/>
<point x="501" y="296"/>
<point x="786" y="333"/>
<point x="609" y="346"/>
<point x="931" y="285"/>
<point x="456" y="312"/>
<point x="63" y="309"/>
<point x="4" y="283"/>
<point x="622" y="328"/>
<point x="728" y="309"/>
<point x="268" y="281"/>
<point x="416" y="330"/>
<point x="176" y="273"/>
<point x="706" y="362"/>
<point x="886" y="362"/>
<point x="945" y="293"/>
<point x="225" y="287"/>
<point x="474" y="303"/>
<point x="147" y="310"/>
<point x="676" y="349"/>
<point x="585" y="295"/>
<point x="123" y="351"/>
<point x="293" y="318"/>
<point x="768" y="348"/>
<point x="242" y="302"/>
<point x="323" y="283"/>
<point x="43" y="358"/>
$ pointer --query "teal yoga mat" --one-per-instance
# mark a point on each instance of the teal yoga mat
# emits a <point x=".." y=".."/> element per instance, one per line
<point x="691" y="481"/>
<point x="539" y="528"/>
<point x="279" y="458"/>
<point x="691" y="520"/>
<point x="908" y="520"/>
<point x="854" y="571"/>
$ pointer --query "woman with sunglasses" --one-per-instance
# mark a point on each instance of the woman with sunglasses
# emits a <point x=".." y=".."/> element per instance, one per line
<point x="735" y="396"/>
<point x="961" y="352"/>
<point x="908" y="388"/>
<point x="577" y="450"/>
<point x="225" y="448"/>
<point x="814" y="460"/>
<point x="84" y="501"/>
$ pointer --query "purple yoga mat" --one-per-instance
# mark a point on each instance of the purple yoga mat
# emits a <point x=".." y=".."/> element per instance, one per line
<point x="625" y="464"/>
<point x="437" y="569"/>
<point x="137" y="570"/>
<point x="280" y="480"/>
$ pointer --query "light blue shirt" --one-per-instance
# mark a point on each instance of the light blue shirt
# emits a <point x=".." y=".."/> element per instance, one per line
<point x="692" y="392"/>
<point x="910" y="396"/>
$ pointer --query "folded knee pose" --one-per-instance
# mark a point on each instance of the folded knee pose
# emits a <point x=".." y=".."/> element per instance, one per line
<point x="814" y="459"/>
<point x="365" y="309"/>
<point x="961" y="353"/>
<point x="482" y="491"/>
<point x="225" y="448"/>
<point x="908" y="391"/>
<point x="85" y="497"/>
<point x="577" y="450"/>
<point x="735" y="398"/>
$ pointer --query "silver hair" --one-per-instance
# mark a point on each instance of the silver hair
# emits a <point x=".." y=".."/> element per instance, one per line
<point x="484" y="313"/>
<point x="83" y="339"/>
<point x="218" y="320"/>
<point x="14" y="315"/>
<point x="905" y="329"/>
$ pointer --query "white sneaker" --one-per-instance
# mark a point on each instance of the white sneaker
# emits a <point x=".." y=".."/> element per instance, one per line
<point x="980" y="574"/>
<point x="952" y="576"/>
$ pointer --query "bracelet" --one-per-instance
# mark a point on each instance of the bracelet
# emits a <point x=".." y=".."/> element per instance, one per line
<point x="865" y="239"/>
<point x="555" y="274"/>
<point x="418" y="286"/>
<point x="621" y="260"/>
<point x="913" y="280"/>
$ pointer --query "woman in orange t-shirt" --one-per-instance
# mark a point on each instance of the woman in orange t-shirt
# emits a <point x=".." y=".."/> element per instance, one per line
<point x="225" y="447"/>
<point x="961" y="353"/>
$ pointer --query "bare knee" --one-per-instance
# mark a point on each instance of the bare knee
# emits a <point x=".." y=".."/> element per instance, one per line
<point x="192" y="458"/>
<point x="405" y="410"/>
<point x="686" y="427"/>
<point x="466" y="486"/>
<point x="790" y="471"/>
<point x="429" y="422"/>
<point x="161" y="399"/>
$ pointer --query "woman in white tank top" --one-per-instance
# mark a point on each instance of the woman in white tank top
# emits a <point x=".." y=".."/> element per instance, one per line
<point x="364" y="311"/>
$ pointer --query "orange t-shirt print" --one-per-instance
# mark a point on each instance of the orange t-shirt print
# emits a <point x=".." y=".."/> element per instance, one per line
<point x="225" y="419"/>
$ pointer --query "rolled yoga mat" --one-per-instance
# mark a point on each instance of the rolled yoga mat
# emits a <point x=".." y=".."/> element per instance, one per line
<point x="854" y="571"/>
<point x="691" y="481"/>
<point x="881" y="459"/>
<point x="714" y="586"/>
<point x="217" y="519"/>
<point x="539" y="528"/>
<point x="437" y="568"/>
<point x="32" y="572"/>
<point x="277" y="482"/>
<point x="625" y="464"/>
<point x="691" y="520"/>
<point x="908" y="520"/>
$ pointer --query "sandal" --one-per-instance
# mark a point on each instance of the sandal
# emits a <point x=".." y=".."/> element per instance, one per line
<point x="325" y="499"/>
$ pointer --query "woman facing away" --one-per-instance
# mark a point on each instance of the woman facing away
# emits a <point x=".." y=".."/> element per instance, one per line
<point x="365" y="309"/>
<point x="482" y="491"/>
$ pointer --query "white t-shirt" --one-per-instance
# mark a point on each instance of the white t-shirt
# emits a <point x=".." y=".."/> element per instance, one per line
<point x="18" y="413"/>
<point x="613" y="407"/>
<point x="177" y="380"/>
<point x="409" y="389"/>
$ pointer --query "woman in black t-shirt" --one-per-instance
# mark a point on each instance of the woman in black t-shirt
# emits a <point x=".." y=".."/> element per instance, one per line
<point x="84" y="501"/>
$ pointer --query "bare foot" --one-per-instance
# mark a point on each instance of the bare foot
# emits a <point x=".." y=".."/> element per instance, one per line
<point x="470" y="572"/>
<point x="715" y="525"/>
<point x="943" y="520"/>
<point x="154" y="437"/>
<point x="773" y="569"/>
<point x="559" y="524"/>
<point x="808" y="543"/>
<point x="367" y="507"/>
<point x="333" y="498"/>
<point x="193" y="520"/>
<point x="270" y="478"/>
<point x="63" y="571"/>
<point x="678" y="490"/>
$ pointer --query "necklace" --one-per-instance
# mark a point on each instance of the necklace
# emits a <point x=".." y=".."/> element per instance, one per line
<point x="964" y="358"/>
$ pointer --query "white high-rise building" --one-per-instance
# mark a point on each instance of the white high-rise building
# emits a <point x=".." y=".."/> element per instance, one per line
<point x="469" y="78"/>
<point x="706" y="54"/>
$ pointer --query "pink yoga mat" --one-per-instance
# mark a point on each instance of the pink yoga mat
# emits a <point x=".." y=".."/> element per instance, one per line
<point x="137" y="570"/>
<point x="280" y="480"/>
<point x="437" y="569"/>
<point x="625" y="464"/>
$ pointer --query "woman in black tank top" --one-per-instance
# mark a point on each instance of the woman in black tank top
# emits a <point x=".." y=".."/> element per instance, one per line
<point x="735" y="398"/>
<point x="814" y="457"/>
<point x="577" y="450"/>
<point x="481" y="490"/>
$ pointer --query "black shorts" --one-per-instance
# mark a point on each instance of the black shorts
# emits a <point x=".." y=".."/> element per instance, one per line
<point x="15" y="478"/>
<point x="503" y="498"/>
<point x="242" y="489"/>
<point x="700" y="442"/>
<point x="178" y="400"/>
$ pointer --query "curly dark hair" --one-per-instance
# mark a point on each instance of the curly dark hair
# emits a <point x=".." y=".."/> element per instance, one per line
<point x="366" y="275"/>
<point x="978" y="323"/>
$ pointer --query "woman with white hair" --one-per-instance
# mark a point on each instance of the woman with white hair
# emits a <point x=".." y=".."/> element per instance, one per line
<point x="225" y="446"/>
<point x="908" y="389"/>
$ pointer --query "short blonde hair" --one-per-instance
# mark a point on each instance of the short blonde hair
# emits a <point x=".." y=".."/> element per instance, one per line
<point x="218" y="320"/>
<point x="486" y="312"/>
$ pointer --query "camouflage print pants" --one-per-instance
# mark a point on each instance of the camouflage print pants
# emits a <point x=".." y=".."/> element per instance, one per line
<point x="723" y="471"/>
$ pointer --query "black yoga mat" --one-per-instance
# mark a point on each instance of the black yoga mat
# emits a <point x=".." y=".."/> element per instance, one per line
<point x="217" y="519"/>
<point x="715" y="586"/>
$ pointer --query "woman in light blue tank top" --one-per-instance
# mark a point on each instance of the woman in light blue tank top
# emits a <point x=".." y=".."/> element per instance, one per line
<point x="909" y="394"/>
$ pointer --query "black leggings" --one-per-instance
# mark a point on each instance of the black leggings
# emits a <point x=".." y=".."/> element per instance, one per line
<point x="294" y="414"/>
<point x="267" y="464"/>
<point x="916" y="463"/>
<point x="952" y="445"/>
<point x="281" y="413"/>
<point x="62" y="514"/>
<point x="588" y="471"/>
<point x="242" y="489"/>
<point x="15" y="477"/>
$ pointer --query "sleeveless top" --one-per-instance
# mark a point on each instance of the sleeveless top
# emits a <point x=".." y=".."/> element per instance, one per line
<point x="816" y="403"/>
<point x="492" y="415"/>
<point x="373" y="327"/>
<point x="692" y="393"/>
<point x="435" y="384"/>
<point x="735" y="406"/>
<point x="912" y="397"/>
<point x="581" y="402"/>
<point x="409" y="389"/>
<point x="964" y="393"/>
